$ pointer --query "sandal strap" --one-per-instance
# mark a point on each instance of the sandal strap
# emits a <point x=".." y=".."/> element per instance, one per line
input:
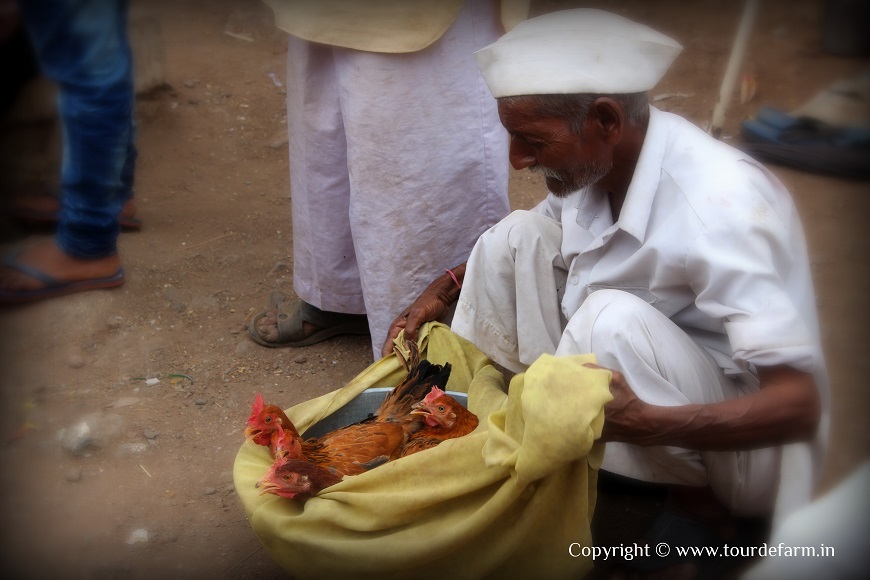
<point x="323" y="319"/>
<point x="293" y="314"/>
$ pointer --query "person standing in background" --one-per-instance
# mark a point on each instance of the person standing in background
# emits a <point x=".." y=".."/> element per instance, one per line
<point x="83" y="46"/>
<point x="398" y="159"/>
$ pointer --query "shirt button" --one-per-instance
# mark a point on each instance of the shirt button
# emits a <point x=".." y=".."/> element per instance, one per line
<point x="574" y="280"/>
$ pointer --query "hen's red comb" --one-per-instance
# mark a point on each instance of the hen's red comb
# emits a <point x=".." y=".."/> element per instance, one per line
<point x="433" y="394"/>
<point x="256" y="407"/>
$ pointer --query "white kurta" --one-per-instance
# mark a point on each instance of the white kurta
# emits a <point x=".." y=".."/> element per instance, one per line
<point x="398" y="162"/>
<point x="712" y="246"/>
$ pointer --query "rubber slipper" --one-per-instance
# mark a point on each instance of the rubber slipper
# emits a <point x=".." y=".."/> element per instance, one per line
<point x="773" y="126"/>
<point x="808" y="144"/>
<point x="45" y="212"/>
<point x="825" y="160"/>
<point x="797" y="128"/>
<point x="292" y="315"/>
<point x="53" y="286"/>
<point x="773" y="117"/>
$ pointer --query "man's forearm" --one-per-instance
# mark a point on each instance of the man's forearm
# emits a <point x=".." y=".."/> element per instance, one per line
<point x="785" y="409"/>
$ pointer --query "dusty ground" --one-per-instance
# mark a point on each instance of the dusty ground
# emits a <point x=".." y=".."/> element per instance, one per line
<point x="212" y="186"/>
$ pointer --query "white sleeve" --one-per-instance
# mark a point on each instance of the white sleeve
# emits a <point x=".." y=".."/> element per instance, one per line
<point x="740" y="271"/>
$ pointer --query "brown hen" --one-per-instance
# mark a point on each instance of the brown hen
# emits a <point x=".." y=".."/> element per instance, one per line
<point x="445" y="418"/>
<point x="361" y="446"/>
<point x="264" y="426"/>
<point x="296" y="479"/>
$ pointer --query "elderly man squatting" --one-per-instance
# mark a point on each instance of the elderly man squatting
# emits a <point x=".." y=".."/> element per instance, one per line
<point x="677" y="260"/>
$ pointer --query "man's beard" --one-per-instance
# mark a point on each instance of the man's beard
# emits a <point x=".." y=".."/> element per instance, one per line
<point x="578" y="177"/>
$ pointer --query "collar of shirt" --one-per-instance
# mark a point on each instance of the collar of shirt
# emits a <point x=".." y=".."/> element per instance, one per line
<point x="593" y="210"/>
<point x="635" y="214"/>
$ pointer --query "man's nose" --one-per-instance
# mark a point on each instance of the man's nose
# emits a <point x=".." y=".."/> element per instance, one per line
<point x="521" y="155"/>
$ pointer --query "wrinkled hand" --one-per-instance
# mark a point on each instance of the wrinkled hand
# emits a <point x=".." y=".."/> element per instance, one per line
<point x="431" y="305"/>
<point x="626" y="416"/>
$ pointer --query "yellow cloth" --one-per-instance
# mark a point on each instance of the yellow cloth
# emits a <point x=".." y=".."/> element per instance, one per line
<point x="506" y="501"/>
<point x="389" y="26"/>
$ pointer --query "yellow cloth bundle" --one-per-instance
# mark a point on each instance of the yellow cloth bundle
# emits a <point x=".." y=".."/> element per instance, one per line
<point x="506" y="501"/>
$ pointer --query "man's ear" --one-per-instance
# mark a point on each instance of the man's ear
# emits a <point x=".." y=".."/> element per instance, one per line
<point x="609" y="119"/>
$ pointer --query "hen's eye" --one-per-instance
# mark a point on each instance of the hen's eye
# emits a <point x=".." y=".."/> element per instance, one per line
<point x="441" y="408"/>
<point x="268" y="419"/>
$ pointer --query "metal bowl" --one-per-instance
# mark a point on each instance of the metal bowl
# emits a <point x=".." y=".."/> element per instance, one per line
<point x="361" y="407"/>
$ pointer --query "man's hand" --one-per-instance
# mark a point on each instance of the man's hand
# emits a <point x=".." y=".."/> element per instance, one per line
<point x="432" y="304"/>
<point x="785" y="409"/>
<point x="625" y="415"/>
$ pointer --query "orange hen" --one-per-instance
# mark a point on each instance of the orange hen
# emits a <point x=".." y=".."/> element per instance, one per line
<point x="264" y="423"/>
<point x="445" y="418"/>
<point x="361" y="446"/>
<point x="296" y="479"/>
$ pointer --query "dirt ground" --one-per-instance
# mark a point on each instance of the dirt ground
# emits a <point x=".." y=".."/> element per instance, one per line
<point x="153" y="495"/>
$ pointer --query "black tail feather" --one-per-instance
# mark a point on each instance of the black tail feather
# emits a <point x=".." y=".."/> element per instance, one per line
<point x="422" y="376"/>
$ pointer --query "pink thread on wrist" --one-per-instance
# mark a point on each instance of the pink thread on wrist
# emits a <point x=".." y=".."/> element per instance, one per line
<point x="452" y="275"/>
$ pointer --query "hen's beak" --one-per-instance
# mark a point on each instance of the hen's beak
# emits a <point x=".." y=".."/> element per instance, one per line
<point x="265" y="485"/>
<point x="269" y="481"/>
<point x="420" y="408"/>
<point x="252" y="432"/>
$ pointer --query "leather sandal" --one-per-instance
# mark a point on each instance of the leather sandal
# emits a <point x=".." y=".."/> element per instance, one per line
<point x="292" y="316"/>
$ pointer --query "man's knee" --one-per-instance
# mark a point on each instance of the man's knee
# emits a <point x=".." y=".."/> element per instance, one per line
<point x="522" y="229"/>
<point x="608" y="315"/>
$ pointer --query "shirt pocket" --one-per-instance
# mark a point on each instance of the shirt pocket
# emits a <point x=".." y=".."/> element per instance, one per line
<point x="640" y="291"/>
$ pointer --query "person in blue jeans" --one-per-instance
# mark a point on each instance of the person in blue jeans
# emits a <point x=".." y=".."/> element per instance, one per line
<point x="83" y="46"/>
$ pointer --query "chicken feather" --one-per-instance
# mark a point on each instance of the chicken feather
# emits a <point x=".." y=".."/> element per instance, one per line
<point x="445" y="418"/>
<point x="297" y="479"/>
<point x="361" y="446"/>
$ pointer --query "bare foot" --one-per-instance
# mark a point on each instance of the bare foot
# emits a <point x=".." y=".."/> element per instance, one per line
<point x="46" y="257"/>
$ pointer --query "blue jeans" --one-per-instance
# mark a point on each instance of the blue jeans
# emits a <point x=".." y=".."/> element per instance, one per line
<point x="83" y="46"/>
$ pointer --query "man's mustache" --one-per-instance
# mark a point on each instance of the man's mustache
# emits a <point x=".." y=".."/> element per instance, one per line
<point x="546" y="172"/>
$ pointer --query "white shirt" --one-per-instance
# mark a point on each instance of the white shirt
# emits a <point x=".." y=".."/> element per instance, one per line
<point x="708" y="237"/>
<point x="713" y="240"/>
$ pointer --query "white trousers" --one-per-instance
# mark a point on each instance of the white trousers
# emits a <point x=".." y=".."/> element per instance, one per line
<point x="510" y="308"/>
<point x="398" y="162"/>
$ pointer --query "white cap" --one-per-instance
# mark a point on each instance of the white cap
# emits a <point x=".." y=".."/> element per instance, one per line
<point x="576" y="51"/>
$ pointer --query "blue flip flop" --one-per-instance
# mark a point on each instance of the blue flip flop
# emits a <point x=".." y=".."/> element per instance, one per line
<point x="776" y="127"/>
<point x="807" y="144"/>
<point x="53" y="286"/>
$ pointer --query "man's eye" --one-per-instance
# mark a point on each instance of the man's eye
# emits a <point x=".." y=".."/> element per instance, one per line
<point x="528" y="141"/>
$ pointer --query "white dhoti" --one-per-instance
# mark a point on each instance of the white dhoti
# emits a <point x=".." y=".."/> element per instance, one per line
<point x="510" y="309"/>
<point x="398" y="163"/>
